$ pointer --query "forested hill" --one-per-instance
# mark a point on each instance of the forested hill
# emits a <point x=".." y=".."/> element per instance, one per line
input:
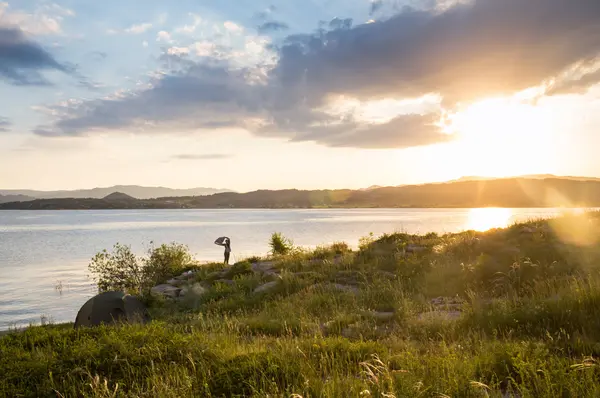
<point x="511" y="192"/>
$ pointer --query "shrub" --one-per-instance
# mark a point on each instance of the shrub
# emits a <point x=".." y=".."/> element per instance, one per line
<point x="164" y="262"/>
<point x="117" y="270"/>
<point x="280" y="245"/>
<point x="122" y="270"/>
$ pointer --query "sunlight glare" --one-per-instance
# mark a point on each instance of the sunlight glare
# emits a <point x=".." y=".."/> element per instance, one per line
<point x="495" y="135"/>
<point x="487" y="218"/>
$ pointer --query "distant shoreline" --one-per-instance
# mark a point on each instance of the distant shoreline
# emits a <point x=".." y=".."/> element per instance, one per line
<point x="523" y="193"/>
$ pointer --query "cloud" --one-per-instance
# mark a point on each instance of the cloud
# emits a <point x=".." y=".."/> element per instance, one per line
<point x="469" y="51"/>
<point x="178" y="51"/>
<point x="189" y="29"/>
<point x="206" y="156"/>
<point x="578" y="81"/>
<point x="233" y="27"/>
<point x="45" y="19"/>
<point x="163" y="36"/>
<point x="22" y="60"/>
<point x="376" y="5"/>
<point x="5" y="125"/>
<point x="272" y="26"/>
<point x="461" y="53"/>
<point x="138" y="29"/>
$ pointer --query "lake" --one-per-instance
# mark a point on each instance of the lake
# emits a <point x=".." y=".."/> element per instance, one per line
<point x="44" y="254"/>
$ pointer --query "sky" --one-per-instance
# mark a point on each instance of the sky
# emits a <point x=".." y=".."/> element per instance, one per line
<point x="300" y="94"/>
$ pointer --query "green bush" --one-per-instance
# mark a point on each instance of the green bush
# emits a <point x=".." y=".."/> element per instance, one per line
<point x="280" y="245"/>
<point x="122" y="270"/>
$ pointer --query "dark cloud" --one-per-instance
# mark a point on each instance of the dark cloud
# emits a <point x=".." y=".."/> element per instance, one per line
<point x="469" y="51"/>
<point x="5" y="125"/>
<point x="206" y="156"/>
<point x="22" y="60"/>
<point x="575" y="86"/>
<point x="272" y="26"/>
<point x="376" y="5"/>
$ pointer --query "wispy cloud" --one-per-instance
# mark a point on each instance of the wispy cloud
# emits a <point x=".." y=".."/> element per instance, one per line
<point x="191" y="28"/>
<point x="163" y="36"/>
<point x="232" y="27"/>
<point x="139" y="28"/>
<point x="272" y="26"/>
<point x="5" y="125"/>
<point x="45" y="19"/>
<point x="206" y="156"/>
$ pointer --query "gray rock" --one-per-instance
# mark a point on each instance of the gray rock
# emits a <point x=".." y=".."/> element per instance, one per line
<point x="166" y="290"/>
<point x="195" y="289"/>
<point x="176" y="282"/>
<point x="383" y="316"/>
<point x="214" y="275"/>
<point x="272" y="276"/>
<point x="186" y="275"/>
<point x="345" y="288"/>
<point x="263" y="267"/>
<point x="266" y="287"/>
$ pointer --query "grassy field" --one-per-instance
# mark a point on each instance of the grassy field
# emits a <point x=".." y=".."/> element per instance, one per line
<point x="507" y="313"/>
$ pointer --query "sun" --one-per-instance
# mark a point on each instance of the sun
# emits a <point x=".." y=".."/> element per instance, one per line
<point x="499" y="137"/>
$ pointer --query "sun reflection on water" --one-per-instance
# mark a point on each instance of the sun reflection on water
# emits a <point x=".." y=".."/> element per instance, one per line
<point x="488" y="218"/>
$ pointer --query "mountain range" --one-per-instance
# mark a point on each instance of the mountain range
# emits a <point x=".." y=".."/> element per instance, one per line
<point x="136" y="191"/>
<point x="507" y="192"/>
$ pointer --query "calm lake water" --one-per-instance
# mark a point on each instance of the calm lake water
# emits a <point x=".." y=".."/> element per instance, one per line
<point x="40" y="250"/>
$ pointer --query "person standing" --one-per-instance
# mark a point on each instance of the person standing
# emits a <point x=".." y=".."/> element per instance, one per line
<point x="225" y="242"/>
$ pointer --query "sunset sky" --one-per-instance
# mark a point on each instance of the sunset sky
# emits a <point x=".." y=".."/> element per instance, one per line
<point x="297" y="94"/>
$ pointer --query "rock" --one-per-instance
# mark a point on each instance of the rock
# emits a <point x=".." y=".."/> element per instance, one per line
<point x="383" y="316"/>
<point x="176" y="282"/>
<point x="186" y="275"/>
<point x="226" y="281"/>
<point x="271" y="275"/>
<point x="263" y="267"/>
<point x="166" y="290"/>
<point x="196" y="289"/>
<point x="214" y="275"/>
<point x="266" y="287"/>
<point x="345" y="288"/>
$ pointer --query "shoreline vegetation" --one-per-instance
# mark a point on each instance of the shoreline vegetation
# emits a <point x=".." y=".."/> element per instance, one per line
<point x="508" y="192"/>
<point x="509" y="312"/>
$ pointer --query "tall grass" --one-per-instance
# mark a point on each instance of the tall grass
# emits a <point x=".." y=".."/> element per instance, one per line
<point x="351" y="324"/>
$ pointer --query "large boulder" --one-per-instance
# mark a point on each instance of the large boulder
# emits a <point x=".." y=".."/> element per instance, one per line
<point x="112" y="307"/>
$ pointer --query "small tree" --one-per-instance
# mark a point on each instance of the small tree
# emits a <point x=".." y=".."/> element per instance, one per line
<point x="164" y="262"/>
<point x="117" y="270"/>
<point x="280" y="245"/>
<point x="123" y="270"/>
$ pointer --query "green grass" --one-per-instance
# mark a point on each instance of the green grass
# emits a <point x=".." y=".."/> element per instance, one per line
<point x="530" y="299"/>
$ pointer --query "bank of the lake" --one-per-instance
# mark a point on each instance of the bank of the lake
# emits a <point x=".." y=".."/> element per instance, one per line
<point x="505" y="313"/>
<point x="44" y="254"/>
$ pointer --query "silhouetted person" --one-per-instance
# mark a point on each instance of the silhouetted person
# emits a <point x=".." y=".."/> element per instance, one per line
<point x="227" y="244"/>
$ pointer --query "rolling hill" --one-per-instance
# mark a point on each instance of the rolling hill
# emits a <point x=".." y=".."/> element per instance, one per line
<point x="135" y="191"/>
<point x="509" y="192"/>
